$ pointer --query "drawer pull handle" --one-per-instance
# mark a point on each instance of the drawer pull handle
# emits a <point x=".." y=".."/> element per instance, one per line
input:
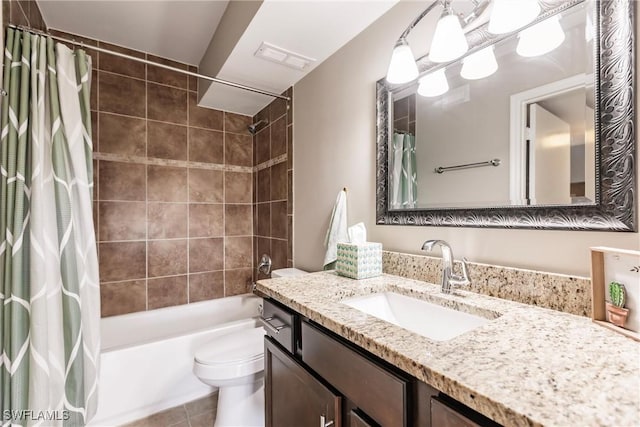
<point x="325" y="424"/>
<point x="266" y="322"/>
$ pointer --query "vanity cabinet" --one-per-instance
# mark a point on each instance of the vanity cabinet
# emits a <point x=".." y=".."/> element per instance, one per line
<point x="443" y="416"/>
<point x="315" y="378"/>
<point x="376" y="391"/>
<point x="356" y="420"/>
<point x="445" y="412"/>
<point x="293" y="397"/>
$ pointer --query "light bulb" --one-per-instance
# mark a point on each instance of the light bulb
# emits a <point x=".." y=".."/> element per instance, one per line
<point x="509" y="15"/>
<point x="541" y="38"/>
<point x="479" y="65"/>
<point x="402" y="68"/>
<point x="449" y="41"/>
<point x="433" y="84"/>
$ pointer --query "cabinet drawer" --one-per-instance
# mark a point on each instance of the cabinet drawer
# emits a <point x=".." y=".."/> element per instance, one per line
<point x="445" y="413"/>
<point x="379" y="393"/>
<point x="279" y="324"/>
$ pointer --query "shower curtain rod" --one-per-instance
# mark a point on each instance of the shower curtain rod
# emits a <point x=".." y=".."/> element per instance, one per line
<point x="155" y="64"/>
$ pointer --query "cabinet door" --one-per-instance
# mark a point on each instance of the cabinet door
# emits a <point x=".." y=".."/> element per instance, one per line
<point x="377" y="391"/>
<point x="448" y="413"/>
<point x="355" y="420"/>
<point x="293" y="397"/>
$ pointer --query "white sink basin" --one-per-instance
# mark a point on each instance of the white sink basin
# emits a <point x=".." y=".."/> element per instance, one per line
<point x="429" y="320"/>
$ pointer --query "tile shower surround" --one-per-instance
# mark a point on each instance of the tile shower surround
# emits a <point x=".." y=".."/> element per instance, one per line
<point x="404" y="111"/>
<point x="273" y="184"/>
<point x="22" y="13"/>
<point x="173" y="186"/>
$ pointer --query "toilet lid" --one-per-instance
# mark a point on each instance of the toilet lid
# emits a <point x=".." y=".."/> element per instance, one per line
<point x="238" y="346"/>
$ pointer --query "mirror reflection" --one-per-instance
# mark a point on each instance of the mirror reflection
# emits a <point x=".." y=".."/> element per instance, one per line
<point x="511" y="124"/>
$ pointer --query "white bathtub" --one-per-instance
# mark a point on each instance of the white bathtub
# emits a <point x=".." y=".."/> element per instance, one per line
<point x="147" y="357"/>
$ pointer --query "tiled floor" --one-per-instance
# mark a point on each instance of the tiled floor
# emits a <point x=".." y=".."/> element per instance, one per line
<point x="198" y="413"/>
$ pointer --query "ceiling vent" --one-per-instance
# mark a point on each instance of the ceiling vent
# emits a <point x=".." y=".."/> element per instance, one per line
<point x="282" y="56"/>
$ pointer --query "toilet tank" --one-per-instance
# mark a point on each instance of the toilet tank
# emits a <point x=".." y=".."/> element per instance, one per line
<point x="287" y="272"/>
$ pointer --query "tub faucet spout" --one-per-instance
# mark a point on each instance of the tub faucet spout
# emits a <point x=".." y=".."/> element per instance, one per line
<point x="449" y="279"/>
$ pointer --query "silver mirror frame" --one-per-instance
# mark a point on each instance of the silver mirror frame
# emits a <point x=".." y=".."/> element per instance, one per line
<point x="616" y="174"/>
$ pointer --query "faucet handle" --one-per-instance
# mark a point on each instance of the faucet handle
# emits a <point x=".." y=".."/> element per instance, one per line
<point x="462" y="280"/>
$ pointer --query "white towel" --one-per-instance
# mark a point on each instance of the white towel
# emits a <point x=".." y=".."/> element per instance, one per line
<point x="337" y="232"/>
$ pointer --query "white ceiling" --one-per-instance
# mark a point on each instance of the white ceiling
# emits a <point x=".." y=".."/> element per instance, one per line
<point x="177" y="29"/>
<point x="182" y="29"/>
<point x="314" y="29"/>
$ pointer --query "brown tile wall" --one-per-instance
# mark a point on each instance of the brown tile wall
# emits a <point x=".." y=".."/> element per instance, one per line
<point x="25" y="13"/>
<point x="273" y="185"/>
<point x="173" y="206"/>
<point x="404" y="113"/>
<point x="174" y="214"/>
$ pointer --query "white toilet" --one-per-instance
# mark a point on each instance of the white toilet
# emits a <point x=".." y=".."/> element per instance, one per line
<point x="287" y="272"/>
<point x="235" y="364"/>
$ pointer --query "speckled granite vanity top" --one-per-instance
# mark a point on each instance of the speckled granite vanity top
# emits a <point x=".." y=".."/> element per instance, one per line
<point x="527" y="367"/>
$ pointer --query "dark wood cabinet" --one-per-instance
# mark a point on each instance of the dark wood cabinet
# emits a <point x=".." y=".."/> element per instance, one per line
<point x="446" y="412"/>
<point x="444" y="416"/>
<point x="280" y="325"/>
<point x="378" y="392"/>
<point x="422" y="394"/>
<point x="294" y="397"/>
<point x="314" y="377"/>
<point x="357" y="420"/>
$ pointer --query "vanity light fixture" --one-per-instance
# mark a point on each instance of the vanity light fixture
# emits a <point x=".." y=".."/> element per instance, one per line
<point x="509" y="15"/>
<point x="479" y="65"/>
<point x="433" y="84"/>
<point x="452" y="44"/>
<point x="541" y="38"/>
<point x="449" y="41"/>
<point x="402" y="68"/>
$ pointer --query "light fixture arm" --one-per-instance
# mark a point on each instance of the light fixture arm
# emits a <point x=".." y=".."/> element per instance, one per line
<point x="415" y="22"/>
<point x="479" y="7"/>
<point x="403" y="67"/>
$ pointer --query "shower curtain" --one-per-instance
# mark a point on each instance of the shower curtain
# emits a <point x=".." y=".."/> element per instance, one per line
<point x="403" y="178"/>
<point x="49" y="289"/>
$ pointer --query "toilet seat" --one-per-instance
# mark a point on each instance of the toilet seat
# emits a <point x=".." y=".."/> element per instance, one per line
<point x="231" y="356"/>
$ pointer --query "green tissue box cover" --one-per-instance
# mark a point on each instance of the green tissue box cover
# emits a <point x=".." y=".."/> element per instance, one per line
<point x="359" y="260"/>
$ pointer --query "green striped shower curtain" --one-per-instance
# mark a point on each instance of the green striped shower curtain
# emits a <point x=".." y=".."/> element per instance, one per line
<point x="402" y="172"/>
<point x="49" y="289"/>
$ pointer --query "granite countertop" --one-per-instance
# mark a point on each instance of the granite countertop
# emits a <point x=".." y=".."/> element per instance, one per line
<point x="529" y="366"/>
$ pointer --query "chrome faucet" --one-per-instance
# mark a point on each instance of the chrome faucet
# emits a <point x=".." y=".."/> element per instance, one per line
<point x="264" y="266"/>
<point x="449" y="279"/>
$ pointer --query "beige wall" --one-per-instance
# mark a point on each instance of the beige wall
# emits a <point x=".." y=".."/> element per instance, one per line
<point x="335" y="147"/>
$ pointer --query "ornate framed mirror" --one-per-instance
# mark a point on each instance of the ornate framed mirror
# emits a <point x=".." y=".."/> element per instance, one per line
<point x="543" y="142"/>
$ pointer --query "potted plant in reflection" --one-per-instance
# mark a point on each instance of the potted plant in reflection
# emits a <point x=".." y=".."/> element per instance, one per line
<point x="617" y="313"/>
